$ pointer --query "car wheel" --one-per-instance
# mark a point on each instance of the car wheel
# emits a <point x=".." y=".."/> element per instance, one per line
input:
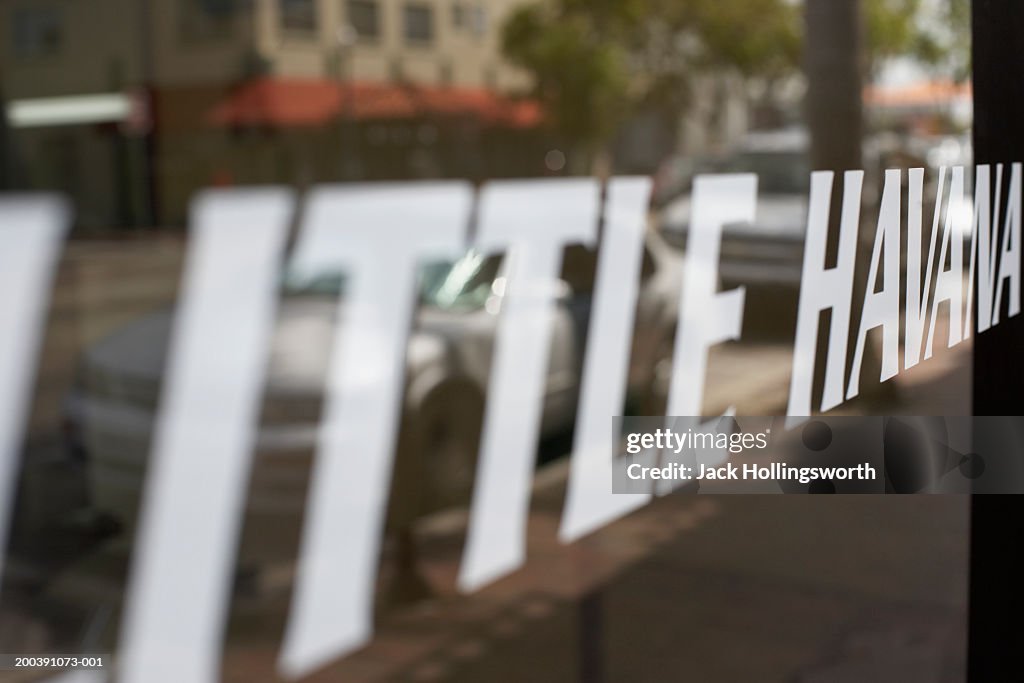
<point x="436" y="465"/>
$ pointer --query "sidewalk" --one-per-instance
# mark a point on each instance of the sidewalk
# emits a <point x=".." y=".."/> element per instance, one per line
<point x="728" y="588"/>
<point x="698" y="588"/>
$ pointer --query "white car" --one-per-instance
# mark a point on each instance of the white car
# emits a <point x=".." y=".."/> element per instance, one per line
<point x="112" y="407"/>
<point x="767" y="254"/>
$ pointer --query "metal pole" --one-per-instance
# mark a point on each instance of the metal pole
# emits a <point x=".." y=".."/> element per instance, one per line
<point x="345" y="40"/>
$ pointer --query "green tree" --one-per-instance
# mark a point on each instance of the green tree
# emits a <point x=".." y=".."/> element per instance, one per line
<point x="595" y="62"/>
<point x="936" y="33"/>
<point x="580" y="76"/>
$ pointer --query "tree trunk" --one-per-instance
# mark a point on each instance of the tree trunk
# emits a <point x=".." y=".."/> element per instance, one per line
<point x="833" y="65"/>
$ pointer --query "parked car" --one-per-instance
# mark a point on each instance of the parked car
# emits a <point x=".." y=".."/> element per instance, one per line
<point x="766" y="254"/>
<point x="112" y="406"/>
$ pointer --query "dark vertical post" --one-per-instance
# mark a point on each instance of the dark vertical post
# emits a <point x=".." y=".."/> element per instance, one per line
<point x="997" y="522"/>
<point x="150" y="143"/>
<point x="591" y="638"/>
<point x="832" y="62"/>
<point x="11" y="175"/>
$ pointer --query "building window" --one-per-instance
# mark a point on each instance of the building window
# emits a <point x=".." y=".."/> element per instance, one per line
<point x="479" y="24"/>
<point x="298" y="16"/>
<point x="364" y="17"/>
<point x="419" y="23"/>
<point x="469" y="18"/>
<point x="201" y="20"/>
<point x="446" y="73"/>
<point x="37" y="31"/>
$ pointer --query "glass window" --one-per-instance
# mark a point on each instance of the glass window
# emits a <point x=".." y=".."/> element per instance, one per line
<point x="298" y="16"/>
<point x="36" y="31"/>
<point x="479" y="25"/>
<point x="364" y="17"/>
<point x="205" y="19"/>
<point x="419" y="23"/>
<point x="284" y="109"/>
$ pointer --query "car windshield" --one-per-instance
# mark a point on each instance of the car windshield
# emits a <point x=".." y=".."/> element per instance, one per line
<point x="462" y="284"/>
<point x="777" y="172"/>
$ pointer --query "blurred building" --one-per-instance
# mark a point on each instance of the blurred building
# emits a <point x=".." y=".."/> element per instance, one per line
<point x="130" y="106"/>
<point x="718" y="116"/>
<point x="921" y="107"/>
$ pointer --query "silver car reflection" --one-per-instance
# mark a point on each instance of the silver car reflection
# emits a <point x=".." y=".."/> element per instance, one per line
<point x="768" y="254"/>
<point x="113" y="404"/>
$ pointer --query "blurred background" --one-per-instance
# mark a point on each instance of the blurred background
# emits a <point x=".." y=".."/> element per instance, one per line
<point x="131" y="107"/>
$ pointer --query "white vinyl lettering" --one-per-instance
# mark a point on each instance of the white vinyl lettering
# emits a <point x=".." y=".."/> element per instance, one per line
<point x="188" y="531"/>
<point x="917" y="298"/>
<point x="533" y="221"/>
<point x="882" y="308"/>
<point x="1009" y="258"/>
<point x="825" y="289"/>
<point x="373" y="237"/>
<point x="590" y="503"/>
<point x="949" y="281"/>
<point x="356" y="230"/>
<point x="708" y="317"/>
<point x="31" y="232"/>
<point x="983" y="255"/>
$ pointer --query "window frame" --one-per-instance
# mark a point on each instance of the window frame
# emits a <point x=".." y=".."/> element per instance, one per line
<point x="418" y="6"/>
<point x="295" y="32"/>
<point x="377" y="28"/>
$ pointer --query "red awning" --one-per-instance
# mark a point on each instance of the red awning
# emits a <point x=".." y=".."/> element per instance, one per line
<point x="281" y="102"/>
<point x="917" y="94"/>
